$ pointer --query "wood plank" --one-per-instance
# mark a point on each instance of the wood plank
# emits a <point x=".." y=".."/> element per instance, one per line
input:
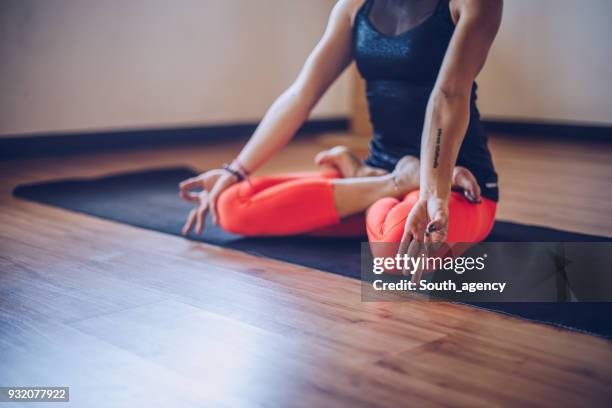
<point x="102" y="306"/>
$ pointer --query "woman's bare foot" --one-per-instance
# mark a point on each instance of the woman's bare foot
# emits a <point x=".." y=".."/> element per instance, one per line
<point x="464" y="180"/>
<point x="345" y="161"/>
<point x="355" y="194"/>
<point x="407" y="178"/>
<point x="406" y="174"/>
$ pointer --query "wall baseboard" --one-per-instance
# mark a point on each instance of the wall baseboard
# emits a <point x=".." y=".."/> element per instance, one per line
<point x="12" y="147"/>
<point x="550" y="129"/>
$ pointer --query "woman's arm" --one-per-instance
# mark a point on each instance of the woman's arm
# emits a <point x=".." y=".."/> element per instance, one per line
<point x="448" y="115"/>
<point x="329" y="58"/>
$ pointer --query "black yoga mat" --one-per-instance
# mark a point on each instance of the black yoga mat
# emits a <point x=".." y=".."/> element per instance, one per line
<point x="149" y="200"/>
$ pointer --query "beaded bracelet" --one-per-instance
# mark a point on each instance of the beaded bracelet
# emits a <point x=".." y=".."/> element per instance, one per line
<point x="236" y="173"/>
<point x="238" y="170"/>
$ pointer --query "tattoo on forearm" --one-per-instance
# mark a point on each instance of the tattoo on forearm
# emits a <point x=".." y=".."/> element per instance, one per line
<point x="437" y="150"/>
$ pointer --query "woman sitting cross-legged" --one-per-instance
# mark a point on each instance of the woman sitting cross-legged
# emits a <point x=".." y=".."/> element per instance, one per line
<point x="419" y="59"/>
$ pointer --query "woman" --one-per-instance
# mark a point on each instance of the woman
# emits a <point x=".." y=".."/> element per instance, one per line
<point x="419" y="59"/>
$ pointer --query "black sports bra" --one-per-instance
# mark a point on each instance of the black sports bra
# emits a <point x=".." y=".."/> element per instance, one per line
<point x="400" y="72"/>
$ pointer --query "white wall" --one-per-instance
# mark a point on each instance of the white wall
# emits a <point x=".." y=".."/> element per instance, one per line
<point x="552" y="61"/>
<point x="71" y="65"/>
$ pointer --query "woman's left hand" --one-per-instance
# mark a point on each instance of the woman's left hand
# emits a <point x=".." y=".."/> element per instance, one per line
<point x="427" y="223"/>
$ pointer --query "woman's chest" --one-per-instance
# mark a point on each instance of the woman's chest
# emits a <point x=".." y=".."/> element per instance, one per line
<point x="415" y="55"/>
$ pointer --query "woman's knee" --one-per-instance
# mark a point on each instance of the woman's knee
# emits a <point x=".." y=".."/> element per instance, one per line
<point x="380" y="234"/>
<point x="469" y="222"/>
<point x="376" y="217"/>
<point x="385" y="222"/>
<point x="233" y="212"/>
<point x="386" y="218"/>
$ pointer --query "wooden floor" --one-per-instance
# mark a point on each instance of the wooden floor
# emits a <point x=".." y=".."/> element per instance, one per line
<point x="130" y="317"/>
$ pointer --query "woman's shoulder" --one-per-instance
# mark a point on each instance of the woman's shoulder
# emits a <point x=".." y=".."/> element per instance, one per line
<point x="349" y="8"/>
<point x="482" y="8"/>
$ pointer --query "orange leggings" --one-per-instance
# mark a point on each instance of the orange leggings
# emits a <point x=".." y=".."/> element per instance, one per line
<point x="303" y="203"/>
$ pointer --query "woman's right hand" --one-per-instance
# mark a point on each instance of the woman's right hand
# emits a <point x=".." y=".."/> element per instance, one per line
<point x="211" y="183"/>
